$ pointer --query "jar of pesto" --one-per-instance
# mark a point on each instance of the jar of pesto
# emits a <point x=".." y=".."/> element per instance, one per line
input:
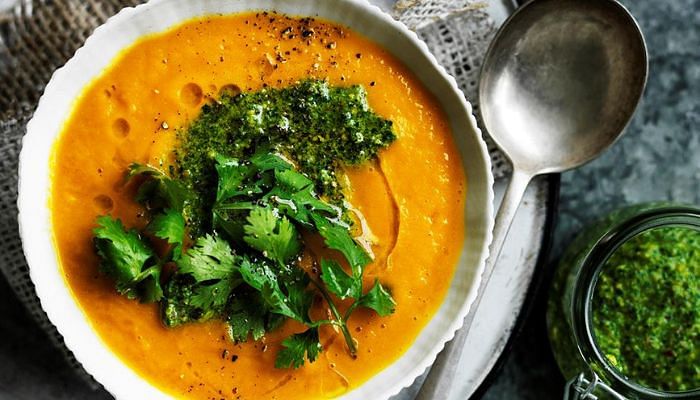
<point x="624" y="308"/>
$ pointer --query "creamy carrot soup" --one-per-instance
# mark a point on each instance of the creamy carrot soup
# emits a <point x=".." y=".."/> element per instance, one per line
<point x="404" y="206"/>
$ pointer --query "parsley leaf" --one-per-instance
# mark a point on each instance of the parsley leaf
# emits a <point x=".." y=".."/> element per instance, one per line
<point x="298" y="347"/>
<point x="170" y="226"/>
<point x="338" y="281"/>
<point x="127" y="259"/>
<point x="275" y="237"/>
<point x="379" y="300"/>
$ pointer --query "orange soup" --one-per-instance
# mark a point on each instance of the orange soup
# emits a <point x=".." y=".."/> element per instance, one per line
<point x="411" y="199"/>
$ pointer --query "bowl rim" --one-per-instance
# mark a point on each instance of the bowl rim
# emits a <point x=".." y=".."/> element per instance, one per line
<point x="39" y="253"/>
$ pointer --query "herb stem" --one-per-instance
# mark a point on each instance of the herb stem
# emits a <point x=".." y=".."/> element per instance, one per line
<point x="352" y="308"/>
<point x="340" y="321"/>
<point x="320" y="322"/>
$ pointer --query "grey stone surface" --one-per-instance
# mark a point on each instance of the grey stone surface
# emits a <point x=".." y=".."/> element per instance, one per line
<point x="658" y="159"/>
<point x="31" y="368"/>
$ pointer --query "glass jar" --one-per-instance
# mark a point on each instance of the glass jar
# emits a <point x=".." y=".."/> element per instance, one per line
<point x="569" y="315"/>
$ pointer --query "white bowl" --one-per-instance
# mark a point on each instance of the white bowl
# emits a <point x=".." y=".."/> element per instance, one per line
<point x="129" y="25"/>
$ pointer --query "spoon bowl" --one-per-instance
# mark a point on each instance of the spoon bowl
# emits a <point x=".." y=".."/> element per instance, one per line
<point x="561" y="81"/>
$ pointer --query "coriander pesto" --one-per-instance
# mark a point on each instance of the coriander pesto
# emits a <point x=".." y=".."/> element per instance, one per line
<point x="646" y="309"/>
<point x="316" y="125"/>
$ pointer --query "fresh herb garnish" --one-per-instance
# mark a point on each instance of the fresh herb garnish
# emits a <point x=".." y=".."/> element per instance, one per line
<point x="249" y="314"/>
<point x="160" y="191"/>
<point x="298" y="347"/>
<point x="128" y="260"/>
<point x="245" y="270"/>
<point x="226" y="219"/>
<point x="272" y="235"/>
<point x="170" y="226"/>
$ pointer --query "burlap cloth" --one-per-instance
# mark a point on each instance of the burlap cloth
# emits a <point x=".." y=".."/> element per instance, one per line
<point x="38" y="36"/>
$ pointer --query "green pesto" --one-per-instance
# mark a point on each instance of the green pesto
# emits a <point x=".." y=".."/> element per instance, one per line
<point x="646" y="309"/>
<point x="316" y="125"/>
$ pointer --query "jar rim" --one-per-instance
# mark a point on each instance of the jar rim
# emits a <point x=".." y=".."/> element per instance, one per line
<point x="593" y="263"/>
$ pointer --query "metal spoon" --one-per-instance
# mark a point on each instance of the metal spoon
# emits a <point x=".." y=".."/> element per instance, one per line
<point x="559" y="84"/>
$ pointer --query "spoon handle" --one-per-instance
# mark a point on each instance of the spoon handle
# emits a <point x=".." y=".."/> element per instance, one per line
<point x="438" y="384"/>
<point x="504" y="219"/>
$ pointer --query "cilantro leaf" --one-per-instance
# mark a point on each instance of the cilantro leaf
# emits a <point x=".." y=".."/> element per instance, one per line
<point x="213" y="296"/>
<point x="245" y="319"/>
<point x="210" y="258"/>
<point x="289" y="297"/>
<point x="232" y="174"/>
<point x="297" y="348"/>
<point x="248" y="314"/>
<point x="266" y="161"/>
<point x="275" y="237"/>
<point x="338" y="237"/>
<point x="127" y="259"/>
<point x="379" y="300"/>
<point x="257" y="274"/>
<point x="292" y="180"/>
<point x="299" y="299"/>
<point x="246" y="178"/>
<point x="149" y="287"/>
<point x="123" y="252"/>
<point x="170" y="226"/>
<point x="160" y="191"/>
<point x="308" y="199"/>
<point x="295" y="197"/>
<point x="230" y="225"/>
<point x="208" y="275"/>
<point x="177" y="307"/>
<point x="338" y="281"/>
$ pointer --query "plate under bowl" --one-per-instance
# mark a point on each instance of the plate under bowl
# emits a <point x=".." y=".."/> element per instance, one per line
<point x="122" y="30"/>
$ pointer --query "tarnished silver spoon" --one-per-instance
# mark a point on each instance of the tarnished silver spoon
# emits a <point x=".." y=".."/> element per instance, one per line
<point x="558" y="85"/>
